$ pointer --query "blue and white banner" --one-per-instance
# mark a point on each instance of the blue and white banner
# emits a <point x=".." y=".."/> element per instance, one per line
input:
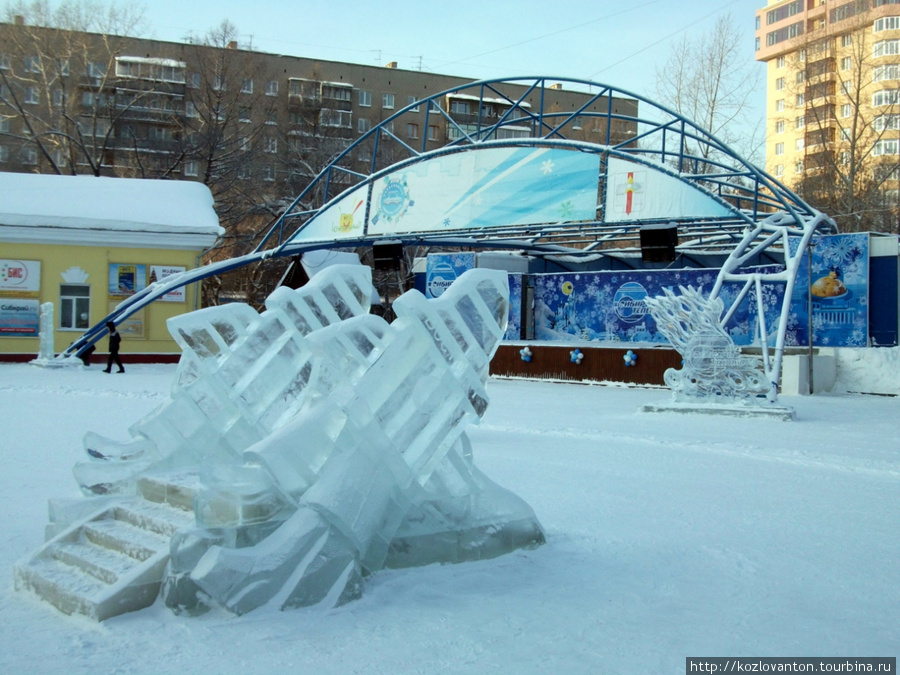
<point x="486" y="188"/>
<point x="609" y="306"/>
<point x="840" y="293"/>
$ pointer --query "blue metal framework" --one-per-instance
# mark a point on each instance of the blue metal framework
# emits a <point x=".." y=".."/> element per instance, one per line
<point x="762" y="212"/>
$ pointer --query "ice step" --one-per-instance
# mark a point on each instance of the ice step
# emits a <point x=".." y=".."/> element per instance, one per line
<point x="101" y="563"/>
<point x="176" y="490"/>
<point x="112" y="560"/>
<point x="121" y="536"/>
<point x="69" y="589"/>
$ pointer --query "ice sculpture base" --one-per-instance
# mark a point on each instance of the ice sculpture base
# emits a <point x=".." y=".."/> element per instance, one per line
<point x="777" y="412"/>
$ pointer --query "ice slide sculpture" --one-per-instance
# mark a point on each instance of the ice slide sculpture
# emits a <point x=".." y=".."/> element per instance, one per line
<point x="329" y="444"/>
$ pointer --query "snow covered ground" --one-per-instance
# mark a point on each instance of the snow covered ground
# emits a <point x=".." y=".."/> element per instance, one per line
<point x="667" y="536"/>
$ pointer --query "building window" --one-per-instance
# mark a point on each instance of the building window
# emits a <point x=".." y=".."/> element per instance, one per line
<point x="96" y="72"/>
<point x="244" y="115"/>
<point x="800" y="143"/>
<point x="4" y="154"/>
<point x="190" y="110"/>
<point x="801" y="76"/>
<point x="886" y="97"/>
<point x="779" y="84"/>
<point x="798" y="167"/>
<point x="779" y="148"/>
<point x="779" y="127"/>
<point x="190" y="168"/>
<point x="219" y="83"/>
<point x="31" y="95"/>
<point x="432" y="132"/>
<point x="268" y="174"/>
<point x="886" y="48"/>
<point x="74" y="306"/>
<point x="779" y="105"/>
<point x="886" y="72"/>
<point x="32" y="64"/>
<point x="846" y="110"/>
<point x="387" y="101"/>
<point x="801" y="99"/>
<point x="412" y="130"/>
<point x="885" y="146"/>
<point x="270" y="145"/>
<point x="781" y="62"/>
<point x="459" y="107"/>
<point x="194" y="81"/>
<point x="846" y="63"/>
<point x="335" y="118"/>
<point x="337" y="92"/>
<point x="4" y="61"/>
<point x="801" y="54"/>
<point x="244" y="144"/>
<point x="365" y="98"/>
<point x="247" y="87"/>
<point x="779" y="170"/>
<point x="846" y="40"/>
<point x="29" y="156"/>
<point x="887" y="23"/>
<point x="409" y="101"/>
<point x="4" y="125"/>
<point x="800" y="122"/>
<point x="363" y="125"/>
<point x="272" y="88"/>
<point x="272" y="116"/>
<point x="883" y="122"/>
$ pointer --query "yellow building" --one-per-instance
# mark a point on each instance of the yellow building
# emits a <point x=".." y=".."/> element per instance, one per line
<point x="85" y="244"/>
<point x="833" y="104"/>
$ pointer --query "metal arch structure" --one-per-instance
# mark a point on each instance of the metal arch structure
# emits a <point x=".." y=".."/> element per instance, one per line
<point x="756" y="214"/>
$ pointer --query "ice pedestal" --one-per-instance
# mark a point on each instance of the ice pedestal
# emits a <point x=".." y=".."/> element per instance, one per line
<point x="330" y="443"/>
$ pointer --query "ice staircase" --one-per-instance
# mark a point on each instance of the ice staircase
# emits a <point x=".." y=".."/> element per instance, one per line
<point x="112" y="561"/>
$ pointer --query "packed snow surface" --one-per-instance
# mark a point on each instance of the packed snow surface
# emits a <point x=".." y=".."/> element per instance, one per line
<point x="667" y="536"/>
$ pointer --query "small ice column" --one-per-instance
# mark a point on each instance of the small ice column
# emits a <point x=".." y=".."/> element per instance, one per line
<point x="46" y="332"/>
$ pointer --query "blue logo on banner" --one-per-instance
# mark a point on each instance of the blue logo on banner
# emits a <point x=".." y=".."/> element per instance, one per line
<point x="629" y="302"/>
<point x="441" y="277"/>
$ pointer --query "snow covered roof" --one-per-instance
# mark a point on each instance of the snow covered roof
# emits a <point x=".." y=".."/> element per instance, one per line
<point x="110" y="208"/>
<point x="170" y="63"/>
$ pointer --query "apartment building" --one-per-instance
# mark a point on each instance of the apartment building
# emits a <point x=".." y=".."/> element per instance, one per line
<point x="227" y="116"/>
<point x="833" y="104"/>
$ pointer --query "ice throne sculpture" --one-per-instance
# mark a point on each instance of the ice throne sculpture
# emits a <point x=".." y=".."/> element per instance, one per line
<point x="331" y="444"/>
<point x="714" y="371"/>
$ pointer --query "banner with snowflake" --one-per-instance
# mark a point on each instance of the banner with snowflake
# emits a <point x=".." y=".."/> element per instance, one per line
<point x="840" y="293"/>
<point x="485" y="188"/>
<point x="609" y="306"/>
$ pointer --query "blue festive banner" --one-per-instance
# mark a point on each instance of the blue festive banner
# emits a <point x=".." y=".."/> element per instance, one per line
<point x="609" y="306"/>
<point x="840" y="293"/>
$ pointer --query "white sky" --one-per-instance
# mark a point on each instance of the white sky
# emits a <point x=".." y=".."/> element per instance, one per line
<point x="608" y="41"/>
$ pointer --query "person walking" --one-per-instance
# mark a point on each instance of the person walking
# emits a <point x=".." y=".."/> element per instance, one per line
<point x="114" y="341"/>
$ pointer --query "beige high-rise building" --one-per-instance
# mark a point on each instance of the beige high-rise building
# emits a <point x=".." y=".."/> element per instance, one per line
<point x="833" y="104"/>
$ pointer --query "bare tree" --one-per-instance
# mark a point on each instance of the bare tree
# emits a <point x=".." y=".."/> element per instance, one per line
<point x="707" y="80"/>
<point x="59" y="81"/>
<point x="851" y="123"/>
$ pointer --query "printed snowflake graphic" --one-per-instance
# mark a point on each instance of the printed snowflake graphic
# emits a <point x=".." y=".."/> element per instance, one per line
<point x="547" y="167"/>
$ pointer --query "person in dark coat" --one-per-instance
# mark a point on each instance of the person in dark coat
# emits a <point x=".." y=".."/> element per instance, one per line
<point x="114" y="341"/>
